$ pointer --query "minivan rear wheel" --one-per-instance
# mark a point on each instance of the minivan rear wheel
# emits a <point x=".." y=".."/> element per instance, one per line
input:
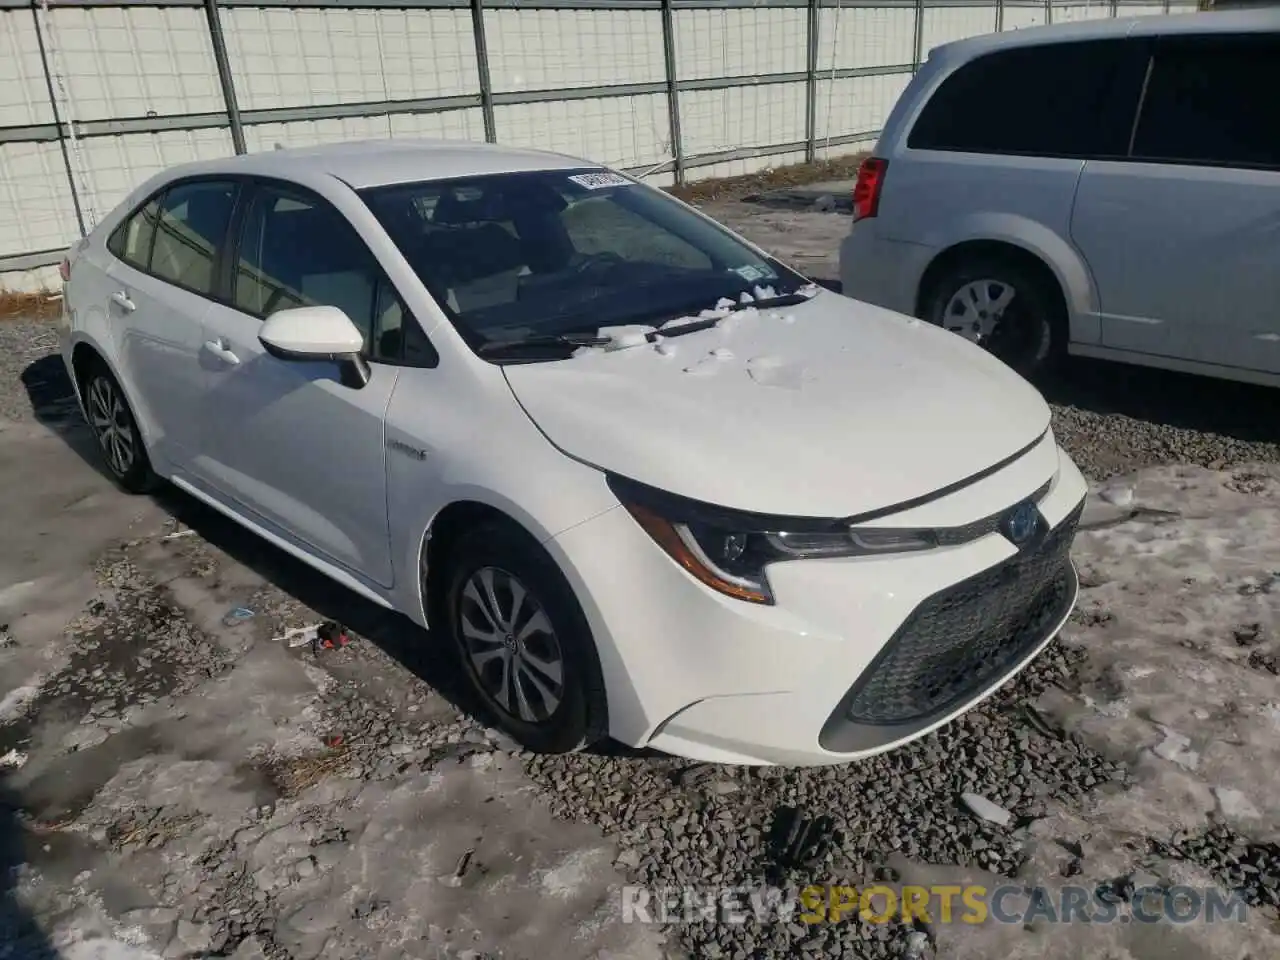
<point x="1003" y="307"/>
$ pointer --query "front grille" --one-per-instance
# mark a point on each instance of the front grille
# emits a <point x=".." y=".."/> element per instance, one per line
<point x="963" y="638"/>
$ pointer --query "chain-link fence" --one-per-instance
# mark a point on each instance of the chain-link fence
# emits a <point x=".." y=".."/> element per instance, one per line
<point x="96" y="95"/>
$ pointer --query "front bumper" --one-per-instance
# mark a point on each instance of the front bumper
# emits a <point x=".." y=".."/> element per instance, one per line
<point x="857" y="656"/>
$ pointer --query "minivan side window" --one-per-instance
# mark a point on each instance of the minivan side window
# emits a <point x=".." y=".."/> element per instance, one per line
<point x="190" y="230"/>
<point x="1074" y="100"/>
<point x="1205" y="103"/>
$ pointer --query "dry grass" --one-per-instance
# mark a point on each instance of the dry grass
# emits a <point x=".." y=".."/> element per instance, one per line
<point x="29" y="306"/>
<point x="47" y="306"/>
<point x="777" y="178"/>
<point x="296" y="774"/>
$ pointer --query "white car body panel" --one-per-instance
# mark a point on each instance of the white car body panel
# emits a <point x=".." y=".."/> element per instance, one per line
<point x="855" y="412"/>
<point x="806" y="398"/>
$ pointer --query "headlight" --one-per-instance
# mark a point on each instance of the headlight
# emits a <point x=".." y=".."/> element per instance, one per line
<point x="729" y="551"/>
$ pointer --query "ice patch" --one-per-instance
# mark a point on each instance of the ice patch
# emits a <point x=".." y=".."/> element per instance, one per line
<point x="16" y="702"/>
<point x="1177" y="749"/>
<point x="1120" y="495"/>
<point x="1234" y="803"/>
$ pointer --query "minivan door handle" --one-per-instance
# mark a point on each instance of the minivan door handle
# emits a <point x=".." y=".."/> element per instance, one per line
<point x="220" y="350"/>
<point x="121" y="299"/>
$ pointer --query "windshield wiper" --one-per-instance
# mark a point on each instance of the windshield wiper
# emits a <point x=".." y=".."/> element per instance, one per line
<point x="706" y="323"/>
<point x="541" y="341"/>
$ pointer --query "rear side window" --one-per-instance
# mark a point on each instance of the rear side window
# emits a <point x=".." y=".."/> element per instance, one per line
<point x="190" y="230"/>
<point x="1206" y="102"/>
<point x="1059" y="100"/>
<point x="132" y="240"/>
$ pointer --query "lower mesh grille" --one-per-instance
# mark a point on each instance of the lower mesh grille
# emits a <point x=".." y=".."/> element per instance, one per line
<point x="966" y="636"/>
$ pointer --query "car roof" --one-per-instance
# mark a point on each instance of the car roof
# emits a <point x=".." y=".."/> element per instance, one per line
<point x="1235" y="21"/>
<point x="372" y="163"/>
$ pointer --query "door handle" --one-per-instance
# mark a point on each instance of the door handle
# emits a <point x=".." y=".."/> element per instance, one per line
<point x="220" y="350"/>
<point x="121" y="299"/>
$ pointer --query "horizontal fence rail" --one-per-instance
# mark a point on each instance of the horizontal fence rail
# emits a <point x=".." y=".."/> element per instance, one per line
<point x="97" y="95"/>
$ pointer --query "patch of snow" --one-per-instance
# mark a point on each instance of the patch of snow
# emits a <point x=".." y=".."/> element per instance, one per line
<point x="1139" y="672"/>
<point x="764" y="293"/>
<point x="13" y="760"/>
<point x="664" y="349"/>
<point x="981" y="807"/>
<point x="1234" y="803"/>
<point x="1177" y="749"/>
<point x="746" y="298"/>
<point x="571" y="874"/>
<point x="626" y="337"/>
<point x="16" y="701"/>
<point x="770" y="371"/>
<point x="1119" y="495"/>
<point x="721" y="353"/>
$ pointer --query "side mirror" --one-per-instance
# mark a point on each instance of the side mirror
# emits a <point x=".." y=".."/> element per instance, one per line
<point x="318" y="333"/>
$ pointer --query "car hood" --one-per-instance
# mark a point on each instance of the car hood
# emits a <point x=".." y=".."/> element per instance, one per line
<point x="828" y="409"/>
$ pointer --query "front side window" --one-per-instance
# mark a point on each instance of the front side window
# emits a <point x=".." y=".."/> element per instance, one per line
<point x="552" y="252"/>
<point x="191" y="226"/>
<point x="1072" y="100"/>
<point x="297" y="250"/>
<point x="1206" y="103"/>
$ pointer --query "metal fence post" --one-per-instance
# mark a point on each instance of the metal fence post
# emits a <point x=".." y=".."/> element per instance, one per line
<point x="918" y="43"/>
<point x="1115" y="8"/>
<point x="57" y="119"/>
<point x="673" y="91"/>
<point x="482" y="68"/>
<point x="1048" y="11"/>
<point x="999" y="16"/>
<point x="224" y="74"/>
<point x="811" y="84"/>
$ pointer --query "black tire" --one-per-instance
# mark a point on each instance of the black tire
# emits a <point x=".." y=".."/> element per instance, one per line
<point x="1030" y="336"/>
<point x="579" y="719"/>
<point x="104" y="400"/>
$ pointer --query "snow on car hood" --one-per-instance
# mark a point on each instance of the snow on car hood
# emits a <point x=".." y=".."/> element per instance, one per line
<point x="830" y="408"/>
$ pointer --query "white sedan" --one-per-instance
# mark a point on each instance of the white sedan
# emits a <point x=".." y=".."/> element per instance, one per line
<point x="648" y="481"/>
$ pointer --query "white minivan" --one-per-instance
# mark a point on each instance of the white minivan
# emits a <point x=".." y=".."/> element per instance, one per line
<point x="1108" y="189"/>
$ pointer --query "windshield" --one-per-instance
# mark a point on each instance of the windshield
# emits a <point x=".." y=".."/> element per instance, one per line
<point x="544" y="253"/>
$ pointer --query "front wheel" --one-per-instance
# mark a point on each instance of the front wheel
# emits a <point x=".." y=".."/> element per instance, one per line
<point x="1003" y="307"/>
<point x="524" y="642"/>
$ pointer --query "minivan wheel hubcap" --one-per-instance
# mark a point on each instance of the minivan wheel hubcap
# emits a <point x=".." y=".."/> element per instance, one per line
<point x="110" y="422"/>
<point x="511" y="646"/>
<point x="976" y="309"/>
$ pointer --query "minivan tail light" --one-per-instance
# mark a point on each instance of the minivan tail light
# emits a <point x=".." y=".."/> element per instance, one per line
<point x="64" y="269"/>
<point x="866" y="189"/>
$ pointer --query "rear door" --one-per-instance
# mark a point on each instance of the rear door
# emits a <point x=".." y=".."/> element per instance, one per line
<point x="1183" y="239"/>
<point x="287" y="441"/>
<point x="160" y="282"/>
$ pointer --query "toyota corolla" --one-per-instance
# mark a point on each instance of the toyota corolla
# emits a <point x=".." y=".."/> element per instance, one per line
<point x="646" y="480"/>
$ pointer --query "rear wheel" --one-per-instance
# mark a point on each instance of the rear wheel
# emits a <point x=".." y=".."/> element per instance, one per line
<point x="524" y="642"/>
<point x="116" y="431"/>
<point x="1003" y="307"/>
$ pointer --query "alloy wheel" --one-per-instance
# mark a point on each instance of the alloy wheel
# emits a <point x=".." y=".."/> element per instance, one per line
<point x="511" y="645"/>
<point x="111" y="424"/>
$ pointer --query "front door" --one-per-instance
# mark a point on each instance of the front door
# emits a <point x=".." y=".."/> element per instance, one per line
<point x="284" y="440"/>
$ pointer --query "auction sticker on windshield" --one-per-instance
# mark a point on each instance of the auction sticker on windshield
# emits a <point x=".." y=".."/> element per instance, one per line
<point x="597" y="181"/>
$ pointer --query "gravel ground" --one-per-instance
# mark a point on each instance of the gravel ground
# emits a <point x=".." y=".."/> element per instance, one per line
<point x="146" y="688"/>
